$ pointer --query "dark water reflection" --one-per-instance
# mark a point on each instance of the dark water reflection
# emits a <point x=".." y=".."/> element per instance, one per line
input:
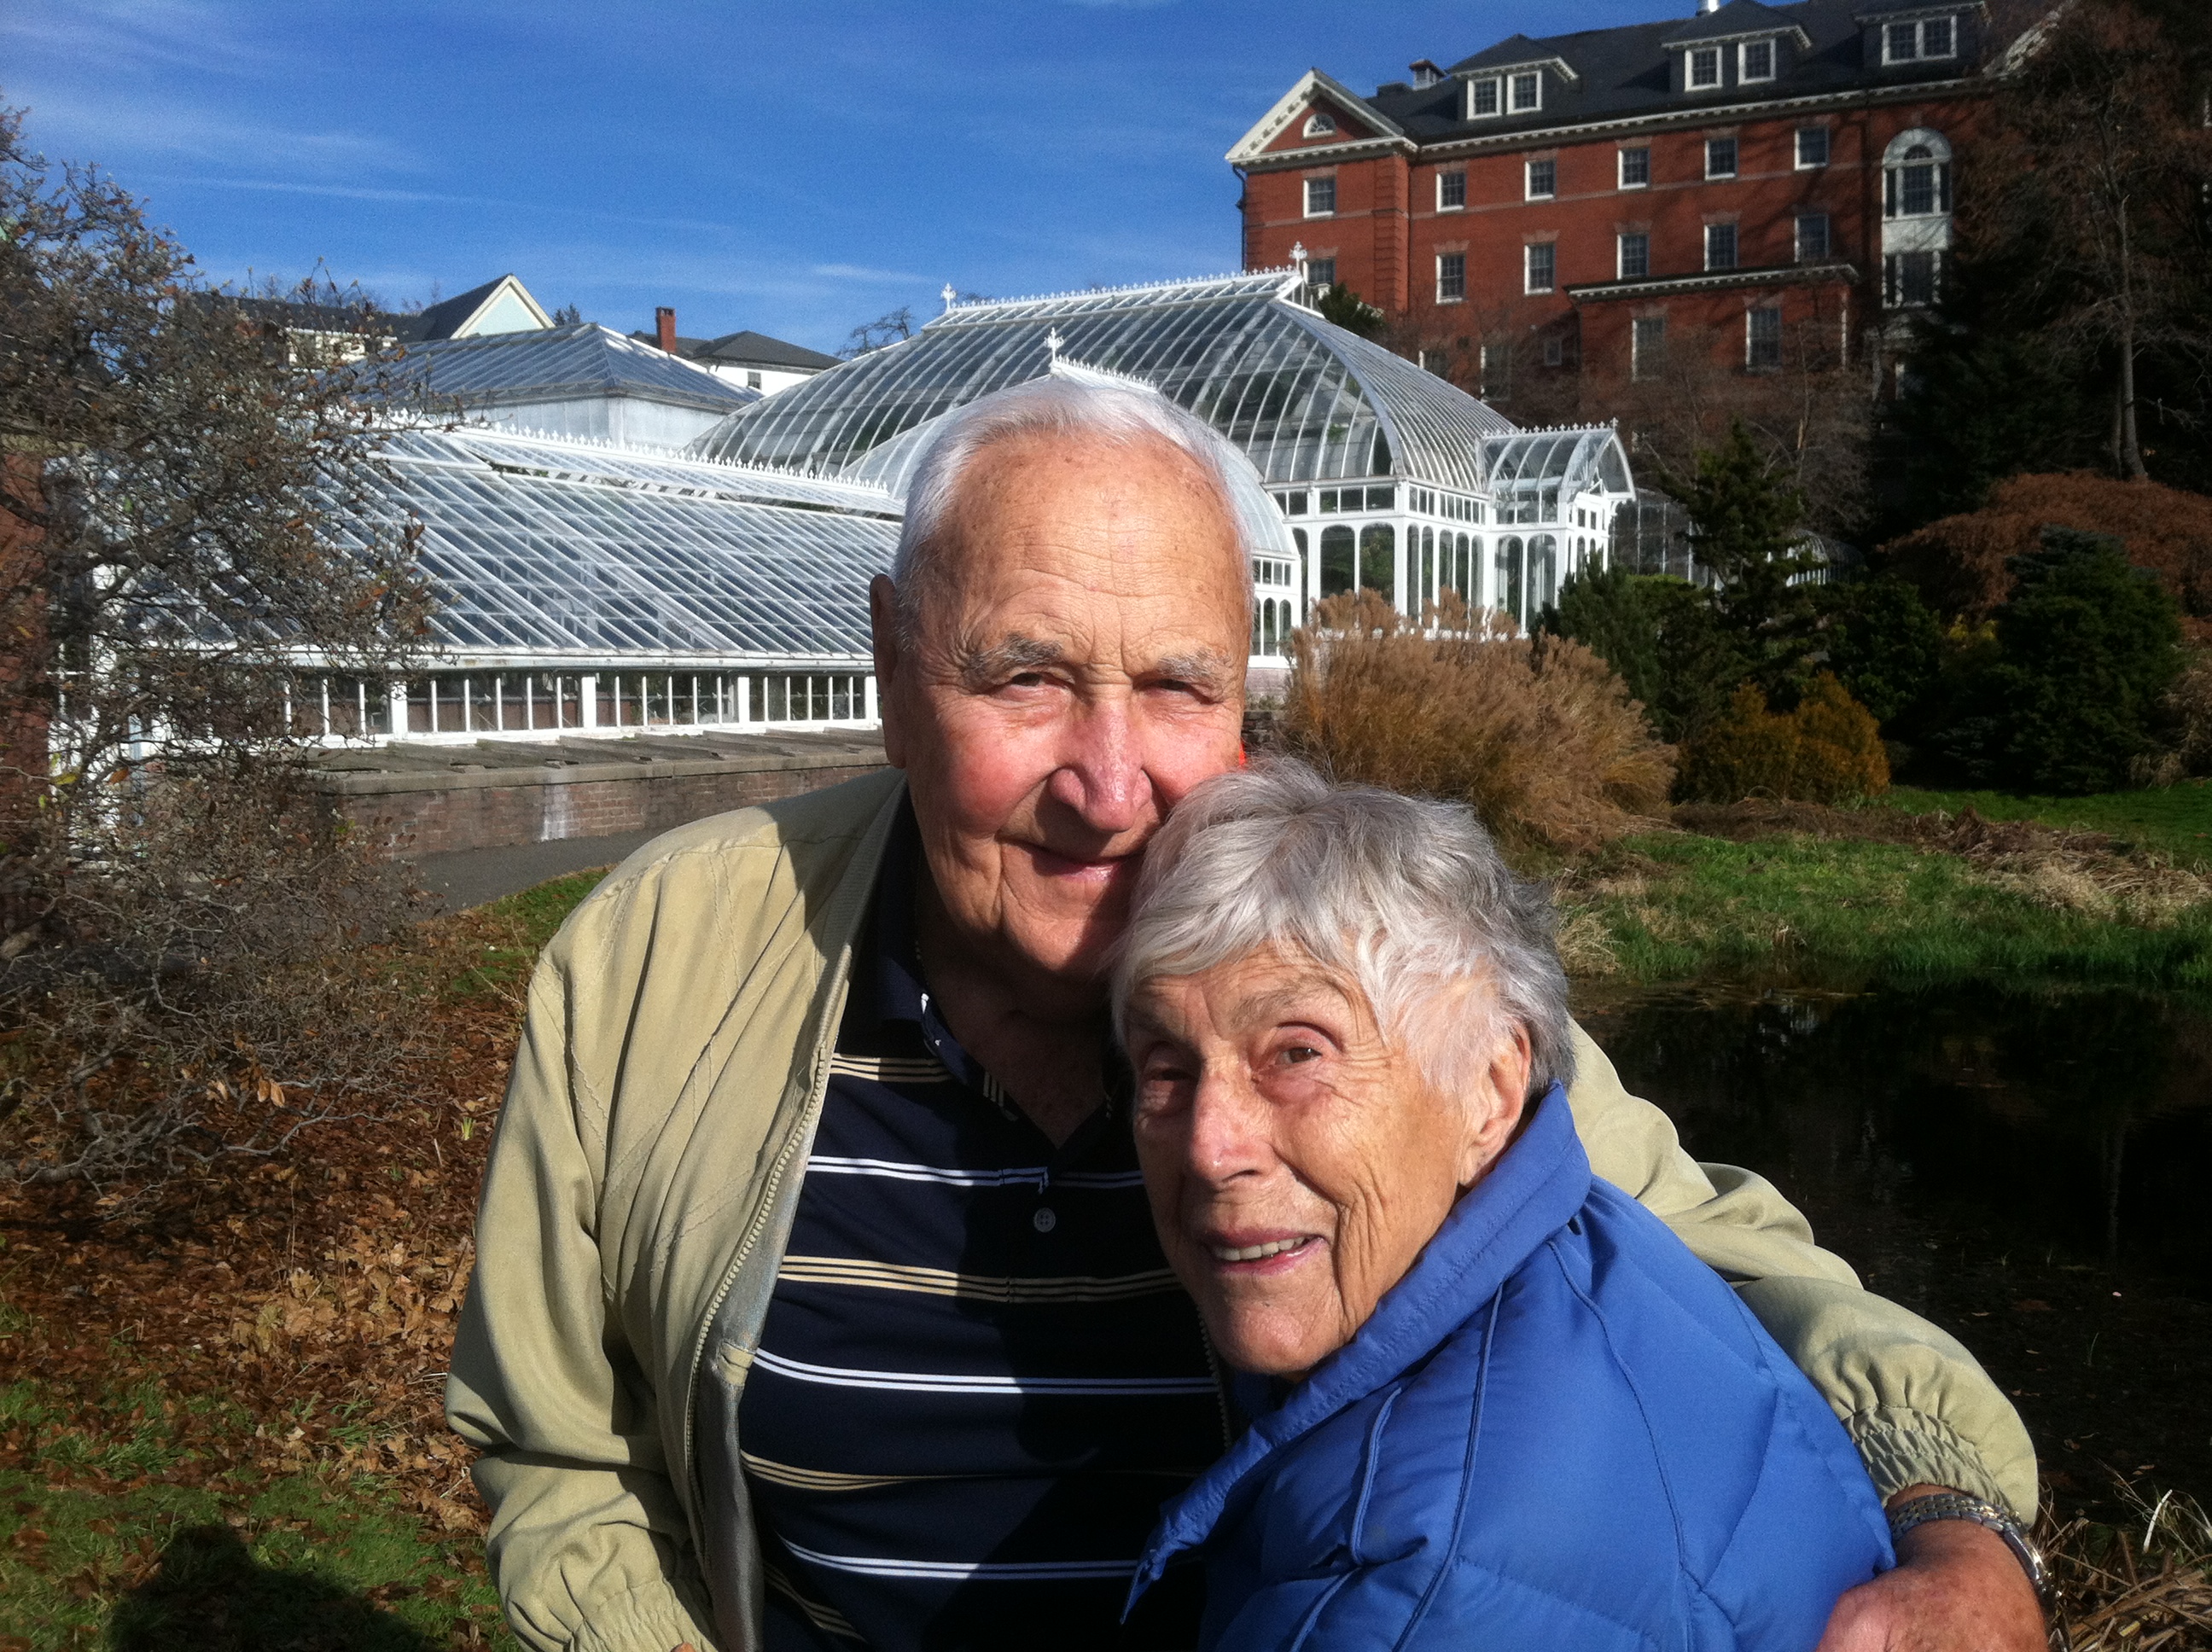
<point x="2082" y="1121"/>
<point x="2030" y="1169"/>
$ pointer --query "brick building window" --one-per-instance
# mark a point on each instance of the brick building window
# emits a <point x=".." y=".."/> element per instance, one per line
<point x="1451" y="277"/>
<point x="1812" y="237"/>
<point x="1762" y="338"/>
<point x="1320" y="196"/>
<point x="1452" y="190"/>
<point x="1635" y="255"/>
<point x="1755" y="61"/>
<point x="1912" y="279"/>
<point x="1528" y="93"/>
<point x="1555" y="352"/>
<point x="1634" y="168"/>
<point x="1704" y="67"/>
<point x="1930" y="37"/>
<point x="1720" y="157"/>
<point x="1321" y="125"/>
<point x="1321" y="272"/>
<point x="1543" y="266"/>
<point x="1543" y="180"/>
<point x="1481" y="99"/>
<point x="1812" y="147"/>
<point x="1918" y="188"/>
<point x="1647" y="346"/>
<point x="1720" y="246"/>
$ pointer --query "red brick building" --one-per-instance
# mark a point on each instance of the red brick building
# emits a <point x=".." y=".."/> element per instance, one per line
<point x="1549" y="208"/>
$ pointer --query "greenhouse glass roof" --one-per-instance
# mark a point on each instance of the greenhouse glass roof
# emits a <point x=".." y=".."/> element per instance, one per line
<point x="556" y="549"/>
<point x="556" y="364"/>
<point x="1305" y="400"/>
<point x="1576" y="460"/>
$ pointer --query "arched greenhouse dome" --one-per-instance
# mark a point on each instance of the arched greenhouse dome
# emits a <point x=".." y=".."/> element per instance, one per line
<point x="1387" y="475"/>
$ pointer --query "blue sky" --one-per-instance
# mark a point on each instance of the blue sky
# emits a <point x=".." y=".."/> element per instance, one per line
<point x="796" y="167"/>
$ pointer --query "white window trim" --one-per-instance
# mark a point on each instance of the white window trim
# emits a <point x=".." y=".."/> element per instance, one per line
<point x="1774" y="310"/>
<point x="1497" y="90"/>
<point x="1306" y="185"/>
<point x="1513" y="90"/>
<point x="1441" y="206"/>
<point x="1321" y="124"/>
<point x="1797" y="234"/>
<point x="1620" y="166"/>
<point x="1797" y="148"/>
<point x="1528" y="267"/>
<point x="1920" y="51"/>
<point x="1735" y="263"/>
<point x="1690" y="81"/>
<point x="1735" y="171"/>
<point x="1743" y="74"/>
<point x="1528" y="181"/>
<point x="1460" y="298"/>
<point x="1621" y="255"/>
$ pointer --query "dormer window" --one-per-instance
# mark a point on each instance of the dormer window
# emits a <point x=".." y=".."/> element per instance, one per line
<point x="1704" y="67"/>
<point x="1755" y="61"/>
<point x="1481" y="99"/>
<point x="1426" y="75"/>
<point x="1925" y="38"/>
<point x="1321" y="124"/>
<point x="1528" y="92"/>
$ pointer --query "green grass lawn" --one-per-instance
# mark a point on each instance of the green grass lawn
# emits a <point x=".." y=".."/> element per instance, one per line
<point x="1674" y="907"/>
<point x="2173" y="821"/>
<point x="116" y="1531"/>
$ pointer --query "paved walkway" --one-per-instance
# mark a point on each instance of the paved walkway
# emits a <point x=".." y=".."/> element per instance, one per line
<point x="470" y="878"/>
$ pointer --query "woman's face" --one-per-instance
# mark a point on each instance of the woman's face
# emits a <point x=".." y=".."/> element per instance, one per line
<point x="1298" y="1161"/>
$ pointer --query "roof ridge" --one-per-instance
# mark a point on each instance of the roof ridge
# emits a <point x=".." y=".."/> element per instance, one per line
<point x="973" y="306"/>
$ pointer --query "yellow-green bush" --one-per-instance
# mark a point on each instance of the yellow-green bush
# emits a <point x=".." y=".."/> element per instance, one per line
<point x="1826" y="750"/>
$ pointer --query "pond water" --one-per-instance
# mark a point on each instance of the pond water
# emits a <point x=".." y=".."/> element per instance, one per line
<point x="2032" y="1169"/>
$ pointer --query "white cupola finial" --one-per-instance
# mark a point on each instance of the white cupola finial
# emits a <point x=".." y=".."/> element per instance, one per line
<point x="1053" y="345"/>
<point x="1298" y="258"/>
<point x="950" y="293"/>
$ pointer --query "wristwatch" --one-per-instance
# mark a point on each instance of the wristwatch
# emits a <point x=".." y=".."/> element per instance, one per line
<point x="1956" y="1505"/>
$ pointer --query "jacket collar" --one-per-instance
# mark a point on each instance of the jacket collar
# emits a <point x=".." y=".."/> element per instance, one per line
<point x="1536" y="1185"/>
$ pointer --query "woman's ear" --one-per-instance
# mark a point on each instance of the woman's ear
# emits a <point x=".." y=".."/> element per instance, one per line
<point x="1496" y="1097"/>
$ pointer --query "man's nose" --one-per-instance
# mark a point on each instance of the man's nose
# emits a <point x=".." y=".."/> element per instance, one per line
<point x="1101" y="776"/>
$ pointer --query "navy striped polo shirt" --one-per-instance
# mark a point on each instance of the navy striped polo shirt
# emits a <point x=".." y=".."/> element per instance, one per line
<point x="977" y="1380"/>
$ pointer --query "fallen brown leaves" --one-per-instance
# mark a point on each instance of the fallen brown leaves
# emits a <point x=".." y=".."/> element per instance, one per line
<point x="317" y="1294"/>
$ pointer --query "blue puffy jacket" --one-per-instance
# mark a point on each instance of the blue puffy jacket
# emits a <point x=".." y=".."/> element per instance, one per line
<point x="1559" y="1431"/>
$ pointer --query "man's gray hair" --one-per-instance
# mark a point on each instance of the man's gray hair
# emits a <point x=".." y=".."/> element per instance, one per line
<point x="1071" y="403"/>
<point x="1407" y="897"/>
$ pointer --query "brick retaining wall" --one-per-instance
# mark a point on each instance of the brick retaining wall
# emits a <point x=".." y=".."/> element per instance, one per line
<point x="433" y="800"/>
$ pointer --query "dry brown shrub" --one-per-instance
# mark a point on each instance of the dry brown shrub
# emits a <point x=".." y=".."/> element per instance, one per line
<point x="1828" y="750"/>
<point x="1958" y="562"/>
<point x="1541" y="738"/>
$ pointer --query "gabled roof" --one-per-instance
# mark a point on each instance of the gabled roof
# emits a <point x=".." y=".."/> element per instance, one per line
<point x="1739" y="20"/>
<point x="463" y="316"/>
<point x="747" y="350"/>
<point x="1622" y="74"/>
<point x="573" y="362"/>
<point x="1312" y="86"/>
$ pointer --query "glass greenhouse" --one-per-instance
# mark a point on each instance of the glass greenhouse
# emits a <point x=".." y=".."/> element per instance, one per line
<point x="1387" y="475"/>
<point x="589" y="588"/>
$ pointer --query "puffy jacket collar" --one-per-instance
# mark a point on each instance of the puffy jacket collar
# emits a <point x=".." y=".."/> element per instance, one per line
<point x="1535" y="1187"/>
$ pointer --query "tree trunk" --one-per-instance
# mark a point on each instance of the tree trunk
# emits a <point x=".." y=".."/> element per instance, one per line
<point x="2130" y="454"/>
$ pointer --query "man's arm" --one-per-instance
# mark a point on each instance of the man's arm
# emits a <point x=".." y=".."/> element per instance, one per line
<point x="588" y="1543"/>
<point x="1917" y="1404"/>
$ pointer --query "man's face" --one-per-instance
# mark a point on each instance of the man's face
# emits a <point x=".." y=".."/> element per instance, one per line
<point x="1297" y="1160"/>
<point x="1079" y="666"/>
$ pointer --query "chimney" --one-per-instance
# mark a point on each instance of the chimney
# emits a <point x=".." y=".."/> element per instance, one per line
<point x="663" y="323"/>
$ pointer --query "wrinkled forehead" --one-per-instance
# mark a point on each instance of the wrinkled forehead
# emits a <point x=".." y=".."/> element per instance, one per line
<point x="1134" y="518"/>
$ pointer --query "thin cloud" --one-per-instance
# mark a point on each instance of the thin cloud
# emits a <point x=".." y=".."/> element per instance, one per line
<point x="861" y="273"/>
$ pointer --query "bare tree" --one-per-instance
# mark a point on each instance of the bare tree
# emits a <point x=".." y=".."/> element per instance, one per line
<point x="189" y="525"/>
<point x="888" y="328"/>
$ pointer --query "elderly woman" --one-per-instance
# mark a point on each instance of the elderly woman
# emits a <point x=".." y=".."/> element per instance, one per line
<point x="1492" y="1401"/>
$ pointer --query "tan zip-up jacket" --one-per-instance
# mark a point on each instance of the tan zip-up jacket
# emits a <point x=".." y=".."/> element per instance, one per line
<point x="670" y="1072"/>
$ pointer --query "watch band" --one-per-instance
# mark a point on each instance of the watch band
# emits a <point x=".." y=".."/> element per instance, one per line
<point x="1956" y="1505"/>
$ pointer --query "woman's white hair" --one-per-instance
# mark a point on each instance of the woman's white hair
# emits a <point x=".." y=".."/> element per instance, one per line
<point x="1406" y="897"/>
<point x="1071" y="403"/>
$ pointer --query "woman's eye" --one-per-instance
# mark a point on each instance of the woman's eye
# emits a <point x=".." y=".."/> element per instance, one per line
<point x="1292" y="1054"/>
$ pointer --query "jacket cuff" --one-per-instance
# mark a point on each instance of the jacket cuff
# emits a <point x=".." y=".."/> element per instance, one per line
<point x="1902" y="1448"/>
<point x="655" y="1618"/>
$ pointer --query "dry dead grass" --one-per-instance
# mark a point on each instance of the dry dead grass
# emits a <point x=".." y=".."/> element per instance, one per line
<point x="1541" y="738"/>
<point x="2144" y="1587"/>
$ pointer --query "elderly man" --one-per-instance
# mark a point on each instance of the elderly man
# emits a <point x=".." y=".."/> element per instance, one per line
<point x="817" y="1302"/>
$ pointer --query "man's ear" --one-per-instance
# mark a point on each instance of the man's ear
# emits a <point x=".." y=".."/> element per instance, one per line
<point x="882" y="625"/>
<point x="1499" y="1096"/>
